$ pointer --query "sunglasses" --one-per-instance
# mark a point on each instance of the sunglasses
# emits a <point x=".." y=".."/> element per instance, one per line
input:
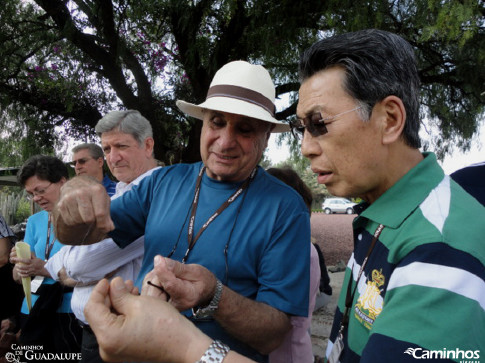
<point x="316" y="124"/>
<point x="81" y="161"/>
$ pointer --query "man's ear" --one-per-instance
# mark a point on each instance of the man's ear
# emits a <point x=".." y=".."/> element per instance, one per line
<point x="149" y="144"/>
<point x="394" y="119"/>
<point x="100" y="161"/>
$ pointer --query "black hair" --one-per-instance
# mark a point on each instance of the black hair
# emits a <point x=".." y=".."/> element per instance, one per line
<point x="45" y="167"/>
<point x="377" y="64"/>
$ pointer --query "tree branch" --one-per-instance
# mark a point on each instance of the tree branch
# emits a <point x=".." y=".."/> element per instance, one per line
<point x="85" y="42"/>
<point x="82" y="110"/>
<point x="287" y="112"/>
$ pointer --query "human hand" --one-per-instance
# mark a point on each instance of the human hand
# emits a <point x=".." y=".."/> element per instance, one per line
<point x="13" y="256"/>
<point x="188" y="285"/>
<point x="140" y="328"/>
<point x="153" y="287"/>
<point x="5" y="248"/>
<point x="30" y="267"/>
<point x="6" y="325"/>
<point x="65" y="280"/>
<point x="82" y="215"/>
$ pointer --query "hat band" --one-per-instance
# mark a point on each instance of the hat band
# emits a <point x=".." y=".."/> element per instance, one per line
<point x="244" y="94"/>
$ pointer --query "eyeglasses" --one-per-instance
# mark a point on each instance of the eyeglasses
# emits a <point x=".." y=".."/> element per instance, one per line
<point x="316" y="124"/>
<point x="81" y="161"/>
<point x="37" y="193"/>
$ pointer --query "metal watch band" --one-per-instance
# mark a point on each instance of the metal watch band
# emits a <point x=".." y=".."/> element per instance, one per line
<point x="209" y="310"/>
<point x="216" y="353"/>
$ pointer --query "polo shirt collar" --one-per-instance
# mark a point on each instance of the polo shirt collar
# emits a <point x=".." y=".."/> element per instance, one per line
<point x="399" y="201"/>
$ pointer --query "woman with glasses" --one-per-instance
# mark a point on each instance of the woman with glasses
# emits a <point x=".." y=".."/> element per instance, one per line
<point x="50" y="322"/>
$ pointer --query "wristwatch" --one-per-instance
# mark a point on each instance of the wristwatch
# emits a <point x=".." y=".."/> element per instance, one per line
<point x="216" y="353"/>
<point x="209" y="310"/>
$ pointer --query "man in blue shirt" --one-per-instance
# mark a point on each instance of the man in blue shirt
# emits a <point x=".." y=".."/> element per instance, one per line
<point x="88" y="159"/>
<point x="236" y="240"/>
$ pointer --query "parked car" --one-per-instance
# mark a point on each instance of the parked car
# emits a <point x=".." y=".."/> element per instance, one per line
<point x="338" y="205"/>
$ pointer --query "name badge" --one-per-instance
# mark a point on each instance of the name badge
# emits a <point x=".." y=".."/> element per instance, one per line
<point x="35" y="283"/>
<point x="337" y="349"/>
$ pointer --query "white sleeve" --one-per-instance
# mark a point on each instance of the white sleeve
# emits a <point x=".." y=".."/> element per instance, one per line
<point x="56" y="262"/>
<point x="90" y="263"/>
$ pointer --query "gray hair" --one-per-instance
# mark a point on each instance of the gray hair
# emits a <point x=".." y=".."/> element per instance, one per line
<point x="95" y="150"/>
<point x="129" y="122"/>
<point x="377" y="64"/>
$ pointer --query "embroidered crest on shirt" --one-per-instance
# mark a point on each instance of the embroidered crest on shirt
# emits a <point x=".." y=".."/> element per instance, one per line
<point x="369" y="304"/>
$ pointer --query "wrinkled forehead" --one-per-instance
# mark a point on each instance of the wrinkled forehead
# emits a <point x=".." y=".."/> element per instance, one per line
<point x="115" y="137"/>
<point x="321" y="92"/>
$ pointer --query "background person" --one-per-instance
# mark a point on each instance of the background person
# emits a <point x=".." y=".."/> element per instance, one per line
<point x="88" y="159"/>
<point x="12" y="292"/>
<point x="472" y="179"/>
<point x="418" y="255"/>
<point x="7" y="238"/>
<point x="240" y="276"/>
<point x="51" y="322"/>
<point x="127" y="139"/>
<point x="297" y="346"/>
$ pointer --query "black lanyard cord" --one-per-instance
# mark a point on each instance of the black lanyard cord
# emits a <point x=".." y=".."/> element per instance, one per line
<point x="48" y="245"/>
<point x="193" y="210"/>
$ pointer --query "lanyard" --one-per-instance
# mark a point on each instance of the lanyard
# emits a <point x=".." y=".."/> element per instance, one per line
<point x="191" y="239"/>
<point x="349" y="297"/>
<point x="48" y="245"/>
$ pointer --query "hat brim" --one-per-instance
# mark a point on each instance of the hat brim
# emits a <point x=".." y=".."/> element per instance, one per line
<point x="231" y="105"/>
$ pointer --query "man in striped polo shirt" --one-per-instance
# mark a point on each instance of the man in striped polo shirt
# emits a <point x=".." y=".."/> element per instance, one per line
<point x="417" y="276"/>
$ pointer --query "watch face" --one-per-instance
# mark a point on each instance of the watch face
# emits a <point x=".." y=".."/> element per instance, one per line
<point x="203" y="313"/>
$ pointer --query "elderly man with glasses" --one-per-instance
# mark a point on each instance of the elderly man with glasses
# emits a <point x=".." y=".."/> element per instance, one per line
<point x="236" y="240"/>
<point x="88" y="159"/>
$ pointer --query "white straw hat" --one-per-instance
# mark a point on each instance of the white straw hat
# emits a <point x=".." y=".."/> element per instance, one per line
<point x="240" y="88"/>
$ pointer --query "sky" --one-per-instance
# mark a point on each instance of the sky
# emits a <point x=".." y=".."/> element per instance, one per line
<point x="450" y="164"/>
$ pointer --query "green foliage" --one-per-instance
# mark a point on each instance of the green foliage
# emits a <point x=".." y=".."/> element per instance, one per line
<point x="456" y="21"/>
<point x="66" y="63"/>
<point x="23" y="211"/>
<point x="10" y="202"/>
<point x="25" y="135"/>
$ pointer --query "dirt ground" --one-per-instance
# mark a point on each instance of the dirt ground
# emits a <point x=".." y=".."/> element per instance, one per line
<point x="333" y="233"/>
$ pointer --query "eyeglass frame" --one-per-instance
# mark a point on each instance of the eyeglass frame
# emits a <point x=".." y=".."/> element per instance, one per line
<point x="38" y="193"/>
<point x="308" y="124"/>
<point x="81" y="161"/>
